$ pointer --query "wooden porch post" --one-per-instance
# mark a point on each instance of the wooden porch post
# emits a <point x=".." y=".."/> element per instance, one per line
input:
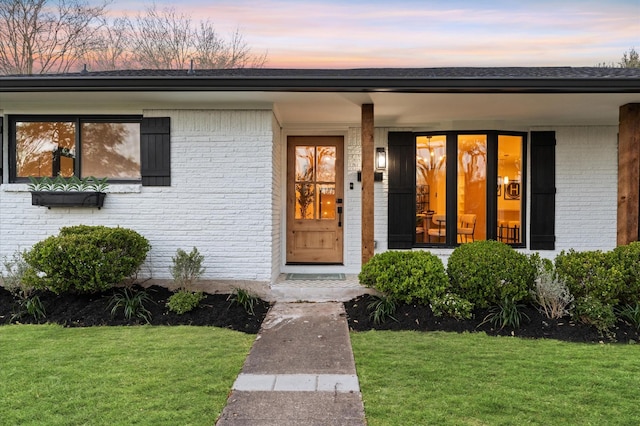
<point x="628" y="173"/>
<point x="367" y="182"/>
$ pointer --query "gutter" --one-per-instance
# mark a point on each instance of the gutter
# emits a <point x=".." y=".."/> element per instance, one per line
<point x="318" y="84"/>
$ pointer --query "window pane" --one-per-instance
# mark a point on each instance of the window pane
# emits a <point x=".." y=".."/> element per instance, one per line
<point x="472" y="188"/>
<point x="509" y="188"/>
<point x="315" y="182"/>
<point x="431" y="188"/>
<point x="327" y="201"/>
<point x="111" y="150"/>
<point x="305" y="194"/>
<point x="305" y="163"/>
<point x="45" y="148"/>
<point x="326" y="163"/>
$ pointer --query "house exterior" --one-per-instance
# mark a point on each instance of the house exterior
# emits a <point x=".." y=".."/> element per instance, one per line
<point x="271" y="171"/>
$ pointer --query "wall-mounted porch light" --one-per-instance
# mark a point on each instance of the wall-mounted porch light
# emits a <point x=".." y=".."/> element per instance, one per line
<point x="381" y="159"/>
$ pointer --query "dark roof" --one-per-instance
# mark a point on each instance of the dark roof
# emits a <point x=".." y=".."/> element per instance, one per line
<point x="459" y="79"/>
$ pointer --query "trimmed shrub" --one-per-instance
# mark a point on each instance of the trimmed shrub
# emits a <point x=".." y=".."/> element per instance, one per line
<point x="452" y="305"/>
<point x="406" y="276"/>
<point x="590" y="310"/>
<point x="591" y="274"/>
<point x="85" y="259"/>
<point x="489" y="272"/>
<point x="627" y="259"/>
<point x="184" y="301"/>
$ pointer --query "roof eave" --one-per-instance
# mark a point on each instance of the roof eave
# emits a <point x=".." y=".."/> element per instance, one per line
<point x="311" y="84"/>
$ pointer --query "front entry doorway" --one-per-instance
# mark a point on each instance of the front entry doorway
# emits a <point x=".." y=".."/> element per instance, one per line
<point x="315" y="217"/>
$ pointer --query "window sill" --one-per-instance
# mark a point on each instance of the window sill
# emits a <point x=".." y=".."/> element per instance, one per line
<point x="113" y="188"/>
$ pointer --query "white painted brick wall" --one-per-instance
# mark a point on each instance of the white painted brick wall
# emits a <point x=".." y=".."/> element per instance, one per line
<point x="587" y="185"/>
<point x="220" y="201"/>
<point x="278" y="199"/>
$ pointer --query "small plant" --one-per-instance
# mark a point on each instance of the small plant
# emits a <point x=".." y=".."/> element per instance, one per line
<point x="381" y="308"/>
<point x="187" y="268"/>
<point x="630" y="314"/>
<point x="506" y="314"/>
<point x="184" y="301"/>
<point x="453" y="306"/>
<point x="550" y="294"/>
<point x="245" y="299"/>
<point x="73" y="183"/>
<point x="186" y="271"/>
<point x="132" y="304"/>
<point x="31" y="306"/>
<point x="13" y="279"/>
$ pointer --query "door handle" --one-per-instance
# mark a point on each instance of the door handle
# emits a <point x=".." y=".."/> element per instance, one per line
<point x="339" y="216"/>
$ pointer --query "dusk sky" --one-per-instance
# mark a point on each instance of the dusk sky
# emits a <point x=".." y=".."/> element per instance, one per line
<point x="413" y="33"/>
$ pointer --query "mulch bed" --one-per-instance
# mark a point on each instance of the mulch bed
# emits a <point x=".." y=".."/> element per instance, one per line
<point x="420" y="318"/>
<point x="74" y="310"/>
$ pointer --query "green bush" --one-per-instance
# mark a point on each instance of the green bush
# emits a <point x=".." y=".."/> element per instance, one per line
<point x="591" y="310"/>
<point x="186" y="268"/>
<point x="451" y="305"/>
<point x="489" y="272"/>
<point x="627" y="259"/>
<point x="184" y="301"/>
<point x="591" y="274"/>
<point x="406" y="276"/>
<point x="85" y="259"/>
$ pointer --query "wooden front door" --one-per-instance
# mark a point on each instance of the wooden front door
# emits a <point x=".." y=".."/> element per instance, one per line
<point x="315" y="199"/>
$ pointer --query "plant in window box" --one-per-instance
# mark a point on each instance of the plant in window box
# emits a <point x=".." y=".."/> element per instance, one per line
<point x="68" y="192"/>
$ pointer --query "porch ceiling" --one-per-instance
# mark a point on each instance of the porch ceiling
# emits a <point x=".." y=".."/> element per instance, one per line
<point x="334" y="109"/>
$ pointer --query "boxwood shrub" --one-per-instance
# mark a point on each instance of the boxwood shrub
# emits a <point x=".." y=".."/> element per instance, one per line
<point x="408" y="276"/>
<point x="591" y="273"/>
<point x="85" y="259"/>
<point x="488" y="272"/>
<point x="627" y="259"/>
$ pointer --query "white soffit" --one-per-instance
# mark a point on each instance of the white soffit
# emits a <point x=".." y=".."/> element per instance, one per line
<point x="344" y="109"/>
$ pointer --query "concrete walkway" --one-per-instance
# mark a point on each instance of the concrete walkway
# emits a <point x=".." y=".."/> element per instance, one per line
<point x="300" y="371"/>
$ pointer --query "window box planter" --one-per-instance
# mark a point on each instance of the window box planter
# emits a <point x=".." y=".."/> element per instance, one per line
<point x="68" y="192"/>
<point x="68" y="199"/>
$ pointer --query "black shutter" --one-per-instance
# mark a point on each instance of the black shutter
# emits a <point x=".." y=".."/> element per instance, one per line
<point x="155" y="151"/>
<point x="402" y="189"/>
<point x="543" y="190"/>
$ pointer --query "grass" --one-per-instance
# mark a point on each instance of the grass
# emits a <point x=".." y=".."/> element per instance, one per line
<point x="117" y="375"/>
<point x="411" y="378"/>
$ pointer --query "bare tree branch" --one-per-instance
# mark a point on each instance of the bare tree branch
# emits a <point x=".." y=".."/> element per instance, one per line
<point x="54" y="36"/>
<point x="46" y="36"/>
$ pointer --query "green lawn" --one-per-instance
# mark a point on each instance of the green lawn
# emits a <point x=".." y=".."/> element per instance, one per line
<point x="51" y="375"/>
<point x="413" y="378"/>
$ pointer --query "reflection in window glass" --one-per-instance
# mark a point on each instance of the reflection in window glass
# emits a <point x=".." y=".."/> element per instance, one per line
<point x="111" y="150"/>
<point x="472" y="188"/>
<point x="305" y="161"/>
<point x="326" y="163"/>
<point x="45" y="148"/>
<point x="431" y="188"/>
<point x="305" y="195"/>
<point x="315" y="188"/>
<point x="509" y="188"/>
